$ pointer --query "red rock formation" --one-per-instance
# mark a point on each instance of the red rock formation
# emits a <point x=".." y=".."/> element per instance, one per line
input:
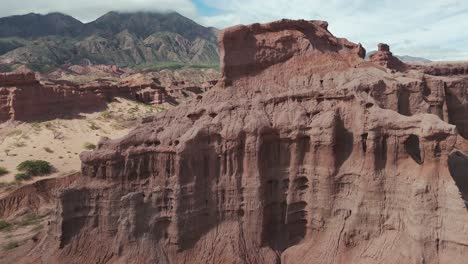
<point x="385" y="58"/>
<point x="303" y="47"/>
<point x="300" y="160"/>
<point x="13" y="79"/>
<point x="442" y="69"/>
<point x="23" y="97"/>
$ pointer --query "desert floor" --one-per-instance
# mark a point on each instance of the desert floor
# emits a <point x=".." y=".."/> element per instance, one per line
<point x="60" y="141"/>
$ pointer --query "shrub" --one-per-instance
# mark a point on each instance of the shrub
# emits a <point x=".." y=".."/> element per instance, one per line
<point x="11" y="245"/>
<point x="19" y="144"/>
<point x="106" y="114"/>
<point x="93" y="126"/>
<point x="36" y="126"/>
<point x="35" y="167"/>
<point x="22" y="177"/>
<point x="8" y="184"/>
<point x="13" y="133"/>
<point x="89" y="146"/>
<point x="4" y="225"/>
<point x="3" y="171"/>
<point x="133" y="110"/>
<point x="30" y="219"/>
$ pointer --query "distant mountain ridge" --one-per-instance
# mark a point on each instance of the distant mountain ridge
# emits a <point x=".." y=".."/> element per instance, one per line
<point x="126" y="39"/>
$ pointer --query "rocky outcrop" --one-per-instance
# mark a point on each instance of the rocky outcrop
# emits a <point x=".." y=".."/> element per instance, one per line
<point x="305" y="46"/>
<point x="13" y="79"/>
<point x="330" y="161"/>
<point x="385" y="58"/>
<point x="440" y="69"/>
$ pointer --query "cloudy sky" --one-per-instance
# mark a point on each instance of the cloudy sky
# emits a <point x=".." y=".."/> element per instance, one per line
<point x="435" y="29"/>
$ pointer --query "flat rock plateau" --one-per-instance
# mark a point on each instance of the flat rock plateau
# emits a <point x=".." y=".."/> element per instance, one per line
<point x="303" y="152"/>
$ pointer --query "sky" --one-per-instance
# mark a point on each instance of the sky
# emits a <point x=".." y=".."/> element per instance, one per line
<point x="434" y="29"/>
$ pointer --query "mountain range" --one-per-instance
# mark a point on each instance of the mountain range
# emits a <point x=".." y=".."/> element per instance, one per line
<point x="138" y="39"/>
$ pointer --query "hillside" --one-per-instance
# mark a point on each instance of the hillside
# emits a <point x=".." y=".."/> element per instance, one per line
<point x="143" y="39"/>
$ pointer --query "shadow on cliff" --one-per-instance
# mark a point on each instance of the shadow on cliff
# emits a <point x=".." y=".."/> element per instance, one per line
<point x="281" y="171"/>
<point x="68" y="112"/>
<point x="344" y="142"/>
<point x="458" y="167"/>
<point x="273" y="167"/>
<point x="457" y="112"/>
<point x="199" y="210"/>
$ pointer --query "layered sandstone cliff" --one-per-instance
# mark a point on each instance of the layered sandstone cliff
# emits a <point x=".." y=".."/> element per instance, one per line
<point x="304" y="153"/>
<point x="24" y="97"/>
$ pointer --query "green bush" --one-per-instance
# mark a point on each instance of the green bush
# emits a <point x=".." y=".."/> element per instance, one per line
<point x="11" y="245"/>
<point x="89" y="146"/>
<point x="22" y="177"/>
<point x="4" y="225"/>
<point x="3" y="171"/>
<point x="35" y="167"/>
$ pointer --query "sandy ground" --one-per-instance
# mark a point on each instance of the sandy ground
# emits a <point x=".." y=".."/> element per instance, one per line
<point x="60" y="141"/>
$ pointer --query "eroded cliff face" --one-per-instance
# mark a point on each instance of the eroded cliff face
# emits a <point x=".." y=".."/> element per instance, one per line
<point x="24" y="97"/>
<point x="305" y="153"/>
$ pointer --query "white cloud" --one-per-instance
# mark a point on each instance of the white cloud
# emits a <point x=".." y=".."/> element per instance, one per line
<point x="88" y="10"/>
<point x="433" y="29"/>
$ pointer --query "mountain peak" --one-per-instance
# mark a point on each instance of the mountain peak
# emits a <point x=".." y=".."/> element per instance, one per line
<point x="145" y="23"/>
<point x="114" y="38"/>
<point x="37" y="25"/>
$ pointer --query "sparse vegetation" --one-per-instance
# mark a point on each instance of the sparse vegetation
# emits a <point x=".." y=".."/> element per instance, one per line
<point x="19" y="144"/>
<point x="89" y="146"/>
<point x="19" y="177"/>
<point x="58" y="134"/>
<point x="37" y="228"/>
<point x="14" y="133"/>
<point x="49" y="125"/>
<point x="93" y="126"/>
<point x="36" y="126"/>
<point x="4" y="225"/>
<point x="8" y="184"/>
<point x="133" y="110"/>
<point x="3" y="171"/>
<point x="30" y="219"/>
<point x="11" y="245"/>
<point x="24" y="136"/>
<point x="106" y="114"/>
<point x="35" y="167"/>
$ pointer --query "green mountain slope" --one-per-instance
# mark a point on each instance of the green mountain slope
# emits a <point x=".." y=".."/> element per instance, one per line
<point x="125" y="39"/>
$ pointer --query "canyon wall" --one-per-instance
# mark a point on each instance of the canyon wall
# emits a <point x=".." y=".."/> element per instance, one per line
<point x="304" y="153"/>
<point x="25" y="98"/>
